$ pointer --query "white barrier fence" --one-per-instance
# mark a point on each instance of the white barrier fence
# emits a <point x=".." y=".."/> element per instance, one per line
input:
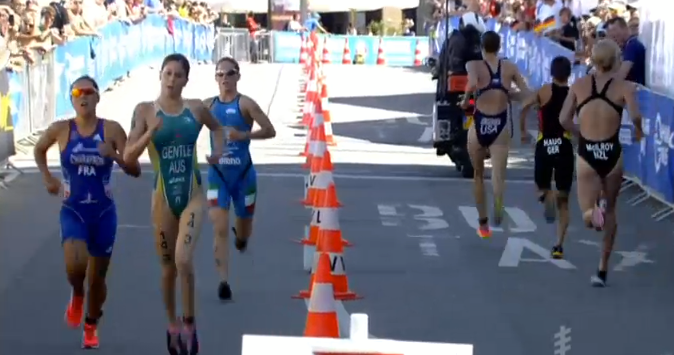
<point x="358" y="343"/>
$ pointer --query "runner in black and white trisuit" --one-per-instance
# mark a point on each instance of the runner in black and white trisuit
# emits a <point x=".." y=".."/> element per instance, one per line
<point x="598" y="100"/>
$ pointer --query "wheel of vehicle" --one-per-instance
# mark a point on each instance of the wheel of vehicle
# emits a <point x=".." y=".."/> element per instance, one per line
<point x="467" y="170"/>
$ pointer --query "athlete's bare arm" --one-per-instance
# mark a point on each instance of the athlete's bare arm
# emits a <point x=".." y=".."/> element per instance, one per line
<point x="203" y="115"/>
<point x="115" y="132"/>
<point x="630" y="95"/>
<point x="570" y="104"/>
<point x="46" y="141"/>
<point x="532" y="100"/>
<point x="472" y="68"/>
<point x="521" y="84"/>
<point x="140" y="134"/>
<point x="251" y="109"/>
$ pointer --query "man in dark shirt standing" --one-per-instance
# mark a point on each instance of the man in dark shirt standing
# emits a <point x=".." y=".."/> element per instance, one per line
<point x="633" y="67"/>
<point x="568" y="34"/>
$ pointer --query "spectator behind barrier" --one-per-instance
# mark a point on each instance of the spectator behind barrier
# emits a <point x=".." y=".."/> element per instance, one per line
<point x="28" y="29"/>
<point x="633" y="67"/>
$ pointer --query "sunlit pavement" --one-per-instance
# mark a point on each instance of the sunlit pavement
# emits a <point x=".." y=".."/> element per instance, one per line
<point x="423" y="271"/>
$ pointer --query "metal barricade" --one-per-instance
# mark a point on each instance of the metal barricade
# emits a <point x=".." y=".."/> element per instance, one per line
<point x="237" y="43"/>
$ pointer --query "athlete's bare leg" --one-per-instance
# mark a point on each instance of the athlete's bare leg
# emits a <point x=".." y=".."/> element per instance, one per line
<point x="499" y="162"/>
<point x="477" y="155"/>
<point x="189" y="230"/>
<point x="611" y="188"/>
<point x="220" y="219"/>
<point x="244" y="227"/>
<point x="589" y="187"/>
<point x="98" y="291"/>
<point x="166" y="233"/>
<point x="76" y="257"/>
<point x="562" y="199"/>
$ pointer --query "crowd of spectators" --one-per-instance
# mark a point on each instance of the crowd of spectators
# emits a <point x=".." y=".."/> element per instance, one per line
<point x="577" y="28"/>
<point x="31" y="28"/>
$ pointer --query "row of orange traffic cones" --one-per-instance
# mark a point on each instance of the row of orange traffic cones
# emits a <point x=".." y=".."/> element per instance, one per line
<point x="323" y="243"/>
<point x="310" y="45"/>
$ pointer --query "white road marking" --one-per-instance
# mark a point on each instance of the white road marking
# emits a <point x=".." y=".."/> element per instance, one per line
<point x="414" y="120"/>
<point x="426" y="136"/>
<point x="389" y="215"/>
<point x="431" y="215"/>
<point x="512" y="254"/>
<point x="427" y="245"/>
<point x="632" y="259"/>
<point x="629" y="258"/>
<point x="523" y="223"/>
<point x="409" y="178"/>
<point x="133" y="226"/>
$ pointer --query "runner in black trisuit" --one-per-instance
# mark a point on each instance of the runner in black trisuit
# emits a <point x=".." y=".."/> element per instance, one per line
<point x="554" y="151"/>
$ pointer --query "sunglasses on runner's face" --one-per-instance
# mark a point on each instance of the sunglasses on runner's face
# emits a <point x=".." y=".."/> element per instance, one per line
<point x="231" y="72"/>
<point x="77" y="92"/>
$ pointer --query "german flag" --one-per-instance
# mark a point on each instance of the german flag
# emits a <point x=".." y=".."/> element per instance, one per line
<point x="542" y="26"/>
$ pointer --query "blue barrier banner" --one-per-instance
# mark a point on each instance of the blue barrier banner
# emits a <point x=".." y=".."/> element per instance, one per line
<point x="398" y="51"/>
<point x="649" y="162"/>
<point x="120" y="49"/>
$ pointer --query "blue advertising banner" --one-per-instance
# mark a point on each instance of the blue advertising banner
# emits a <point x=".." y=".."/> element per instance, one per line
<point x="397" y="50"/>
<point x="120" y="49"/>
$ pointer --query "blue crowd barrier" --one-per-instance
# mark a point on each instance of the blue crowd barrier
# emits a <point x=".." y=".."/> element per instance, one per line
<point x="649" y="163"/>
<point x="398" y="50"/>
<point x="121" y="48"/>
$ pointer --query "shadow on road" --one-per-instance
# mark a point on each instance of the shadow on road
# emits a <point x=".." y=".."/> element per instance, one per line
<point x="421" y="103"/>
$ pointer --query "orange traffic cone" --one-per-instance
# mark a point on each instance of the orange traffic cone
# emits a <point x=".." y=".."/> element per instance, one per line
<point x="310" y="98"/>
<point x="326" y="53"/>
<point x="417" y="54"/>
<point x="317" y="142"/>
<point x="325" y="112"/>
<point x="330" y="241"/>
<point x="346" y="58"/>
<point x="381" y="59"/>
<point x="322" y="191"/>
<point x="303" y="51"/>
<point x="322" y="319"/>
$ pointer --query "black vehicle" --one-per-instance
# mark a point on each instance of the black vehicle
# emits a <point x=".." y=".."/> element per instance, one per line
<point x="450" y="121"/>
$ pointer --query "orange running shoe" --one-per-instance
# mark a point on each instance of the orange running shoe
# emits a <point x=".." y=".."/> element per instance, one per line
<point x="484" y="231"/>
<point x="73" y="316"/>
<point x="90" y="336"/>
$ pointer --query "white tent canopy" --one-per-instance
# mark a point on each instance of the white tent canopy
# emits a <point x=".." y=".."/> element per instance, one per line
<point x="260" y="6"/>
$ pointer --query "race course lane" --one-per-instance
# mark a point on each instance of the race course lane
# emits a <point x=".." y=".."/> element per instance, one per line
<point x="416" y="259"/>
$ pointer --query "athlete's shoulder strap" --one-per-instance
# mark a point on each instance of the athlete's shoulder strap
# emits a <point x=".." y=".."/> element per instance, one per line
<point x="604" y="91"/>
<point x="210" y="102"/>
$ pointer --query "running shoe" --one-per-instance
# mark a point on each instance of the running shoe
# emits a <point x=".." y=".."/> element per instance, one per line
<point x="483" y="231"/>
<point x="90" y="336"/>
<point x="599" y="280"/>
<point x="224" y="291"/>
<point x="498" y="211"/>
<point x="550" y="208"/>
<point x="557" y="252"/>
<point x="174" y="341"/>
<point x="190" y="341"/>
<point x="73" y="316"/>
<point x="598" y="214"/>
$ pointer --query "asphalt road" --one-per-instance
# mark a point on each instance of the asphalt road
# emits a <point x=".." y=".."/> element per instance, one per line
<point x="424" y="273"/>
